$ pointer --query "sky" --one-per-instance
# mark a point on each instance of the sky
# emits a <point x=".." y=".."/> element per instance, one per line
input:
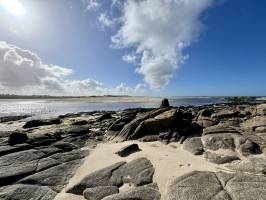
<point x="133" y="47"/>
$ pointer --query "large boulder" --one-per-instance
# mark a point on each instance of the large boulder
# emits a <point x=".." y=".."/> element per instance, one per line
<point x="137" y="172"/>
<point x="17" y="138"/>
<point x="222" y="141"/>
<point x="201" y="185"/>
<point x="98" y="193"/>
<point x="165" y="103"/>
<point x="42" y="122"/>
<point x="151" y="126"/>
<point x="33" y="192"/>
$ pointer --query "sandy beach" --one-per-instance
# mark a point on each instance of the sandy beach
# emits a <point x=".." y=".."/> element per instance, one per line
<point x="170" y="161"/>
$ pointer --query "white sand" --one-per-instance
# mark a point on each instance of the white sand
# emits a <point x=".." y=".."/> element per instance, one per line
<point x="169" y="161"/>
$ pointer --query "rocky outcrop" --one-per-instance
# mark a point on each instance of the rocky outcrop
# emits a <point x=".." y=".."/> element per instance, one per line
<point x="137" y="172"/>
<point x="165" y="103"/>
<point x="203" y="185"/>
<point x="17" y="138"/>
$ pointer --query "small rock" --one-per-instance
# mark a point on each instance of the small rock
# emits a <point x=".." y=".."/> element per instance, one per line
<point x="80" y="123"/>
<point x="98" y="193"/>
<point x="218" y="158"/>
<point x="17" y="138"/>
<point x="127" y="150"/>
<point x="165" y="103"/>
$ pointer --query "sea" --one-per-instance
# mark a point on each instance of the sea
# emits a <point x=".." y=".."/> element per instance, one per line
<point x="59" y="106"/>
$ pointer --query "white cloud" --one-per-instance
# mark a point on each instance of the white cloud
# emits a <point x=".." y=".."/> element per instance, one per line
<point x="105" y="20"/>
<point x="130" y="58"/>
<point x="92" y="4"/>
<point x="23" y="72"/>
<point x="159" y="31"/>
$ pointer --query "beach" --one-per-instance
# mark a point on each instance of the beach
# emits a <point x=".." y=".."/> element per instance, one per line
<point x="194" y="152"/>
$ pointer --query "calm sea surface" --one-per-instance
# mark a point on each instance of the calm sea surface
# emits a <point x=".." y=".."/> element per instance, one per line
<point x="54" y="107"/>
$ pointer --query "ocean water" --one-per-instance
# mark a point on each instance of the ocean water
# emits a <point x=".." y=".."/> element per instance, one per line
<point x="54" y="107"/>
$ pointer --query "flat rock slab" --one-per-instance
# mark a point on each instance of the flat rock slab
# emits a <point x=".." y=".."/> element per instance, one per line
<point x="26" y="192"/>
<point x="127" y="150"/>
<point x="99" y="193"/>
<point x="138" y="172"/>
<point x="251" y="165"/>
<point x="138" y="193"/>
<point x="202" y="185"/>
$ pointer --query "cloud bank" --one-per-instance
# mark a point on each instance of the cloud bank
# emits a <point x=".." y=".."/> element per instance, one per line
<point x="23" y="72"/>
<point x="158" y="31"/>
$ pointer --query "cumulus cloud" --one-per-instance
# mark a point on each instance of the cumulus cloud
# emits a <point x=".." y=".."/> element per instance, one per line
<point x="23" y="72"/>
<point x="105" y="20"/>
<point x="159" y="31"/>
<point x="92" y="4"/>
<point x="130" y="58"/>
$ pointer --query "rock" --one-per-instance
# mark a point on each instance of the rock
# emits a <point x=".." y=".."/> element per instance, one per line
<point x="18" y="165"/>
<point x="138" y="172"/>
<point x="40" y="122"/>
<point x="207" y="122"/>
<point x="80" y="123"/>
<point x="101" y="177"/>
<point x="165" y="103"/>
<point x="138" y="193"/>
<point x="192" y="129"/>
<point x="222" y="141"/>
<point x="6" y="149"/>
<point x="98" y="193"/>
<point x="226" y="114"/>
<point x="13" y="118"/>
<point x="127" y="150"/>
<point x="149" y="138"/>
<point x="55" y="177"/>
<point x="129" y="129"/>
<point x="105" y="116"/>
<point x="249" y="148"/>
<point x="209" y="185"/>
<point x="31" y="192"/>
<point x="196" y="186"/>
<point x="151" y="126"/>
<point x="193" y="145"/>
<point x="65" y="146"/>
<point x="218" y="158"/>
<point x="17" y="138"/>
<point x="261" y="109"/>
<point x="220" y="128"/>
<point x="251" y="165"/>
<point x="203" y="114"/>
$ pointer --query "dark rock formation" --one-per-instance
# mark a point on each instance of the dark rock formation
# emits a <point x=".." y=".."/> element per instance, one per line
<point x="17" y="138"/>
<point x="165" y="103"/>
<point x="127" y="150"/>
<point x="80" y="123"/>
<point x="40" y="122"/>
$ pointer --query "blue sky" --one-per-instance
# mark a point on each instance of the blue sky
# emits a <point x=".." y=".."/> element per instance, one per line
<point x="226" y="57"/>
